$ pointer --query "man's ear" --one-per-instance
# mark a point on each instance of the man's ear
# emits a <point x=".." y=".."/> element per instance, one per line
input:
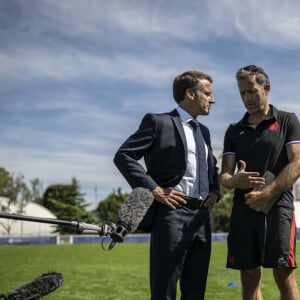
<point x="189" y="94"/>
<point x="267" y="87"/>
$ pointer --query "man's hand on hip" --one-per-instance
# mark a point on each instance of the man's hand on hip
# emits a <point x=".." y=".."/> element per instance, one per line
<point x="169" y="197"/>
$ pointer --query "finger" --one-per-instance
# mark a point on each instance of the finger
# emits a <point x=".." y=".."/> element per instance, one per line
<point x="256" y="207"/>
<point x="248" y="197"/>
<point x="254" y="175"/>
<point x="256" y="184"/>
<point x="177" y="193"/>
<point x="170" y="205"/>
<point x="242" y="165"/>
<point x="180" y="200"/>
<point x="209" y="203"/>
<point x="176" y="199"/>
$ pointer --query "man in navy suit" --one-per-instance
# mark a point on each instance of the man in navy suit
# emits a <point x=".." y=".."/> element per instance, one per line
<point x="180" y="231"/>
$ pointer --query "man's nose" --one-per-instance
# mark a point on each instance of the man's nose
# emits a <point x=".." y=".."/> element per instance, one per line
<point x="248" y="96"/>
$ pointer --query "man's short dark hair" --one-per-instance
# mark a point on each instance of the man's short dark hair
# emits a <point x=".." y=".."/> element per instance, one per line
<point x="187" y="80"/>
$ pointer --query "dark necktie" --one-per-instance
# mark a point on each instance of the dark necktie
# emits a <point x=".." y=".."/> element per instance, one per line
<point x="202" y="162"/>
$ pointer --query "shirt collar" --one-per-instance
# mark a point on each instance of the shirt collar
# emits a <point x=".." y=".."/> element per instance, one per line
<point x="184" y="116"/>
<point x="272" y="114"/>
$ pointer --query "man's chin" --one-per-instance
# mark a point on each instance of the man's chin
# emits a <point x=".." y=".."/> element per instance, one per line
<point x="204" y="112"/>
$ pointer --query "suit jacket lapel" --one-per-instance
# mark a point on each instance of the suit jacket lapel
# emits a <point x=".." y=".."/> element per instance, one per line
<point x="210" y="158"/>
<point x="178" y="124"/>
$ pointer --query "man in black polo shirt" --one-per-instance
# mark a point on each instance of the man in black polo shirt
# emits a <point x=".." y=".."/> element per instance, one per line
<point x="265" y="146"/>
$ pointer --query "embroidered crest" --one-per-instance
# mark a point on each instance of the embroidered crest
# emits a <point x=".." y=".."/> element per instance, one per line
<point x="274" y="126"/>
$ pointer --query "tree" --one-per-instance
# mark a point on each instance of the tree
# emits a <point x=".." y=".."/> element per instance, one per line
<point x="14" y="188"/>
<point x="66" y="202"/>
<point x="6" y="183"/>
<point x="108" y="208"/>
<point x="36" y="191"/>
<point x="220" y="215"/>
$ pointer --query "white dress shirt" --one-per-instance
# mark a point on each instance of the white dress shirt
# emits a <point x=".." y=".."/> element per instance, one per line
<point x="189" y="183"/>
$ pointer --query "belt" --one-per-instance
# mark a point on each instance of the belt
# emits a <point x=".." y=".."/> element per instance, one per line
<point x="193" y="203"/>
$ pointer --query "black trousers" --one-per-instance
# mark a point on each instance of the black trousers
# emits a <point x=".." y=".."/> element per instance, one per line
<point x="180" y="250"/>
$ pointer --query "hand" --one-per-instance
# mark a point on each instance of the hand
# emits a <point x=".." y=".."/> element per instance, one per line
<point x="169" y="197"/>
<point x="257" y="200"/>
<point x="246" y="180"/>
<point x="211" y="200"/>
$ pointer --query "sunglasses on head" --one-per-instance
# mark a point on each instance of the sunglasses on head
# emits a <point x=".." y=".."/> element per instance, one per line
<point x="254" y="70"/>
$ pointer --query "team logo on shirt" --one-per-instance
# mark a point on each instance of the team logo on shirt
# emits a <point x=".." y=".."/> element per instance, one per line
<point x="274" y="126"/>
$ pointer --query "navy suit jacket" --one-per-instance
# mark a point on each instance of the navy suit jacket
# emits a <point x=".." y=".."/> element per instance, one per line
<point x="161" y="141"/>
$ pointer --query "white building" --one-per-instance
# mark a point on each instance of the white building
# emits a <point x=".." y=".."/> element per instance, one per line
<point x="27" y="228"/>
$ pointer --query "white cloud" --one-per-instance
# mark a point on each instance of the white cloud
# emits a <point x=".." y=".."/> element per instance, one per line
<point x="257" y="21"/>
<point x="270" y="23"/>
<point x="77" y="76"/>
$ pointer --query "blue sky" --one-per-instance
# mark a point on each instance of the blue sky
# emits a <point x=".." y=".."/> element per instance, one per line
<point x="77" y="76"/>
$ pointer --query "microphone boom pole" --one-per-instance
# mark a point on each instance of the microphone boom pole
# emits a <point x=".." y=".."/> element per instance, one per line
<point x="106" y="229"/>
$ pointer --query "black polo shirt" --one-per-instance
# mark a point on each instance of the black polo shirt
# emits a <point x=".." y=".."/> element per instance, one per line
<point x="264" y="147"/>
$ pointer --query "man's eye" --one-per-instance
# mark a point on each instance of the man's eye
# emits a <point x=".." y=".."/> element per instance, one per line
<point x="248" y="92"/>
<point x="252" y="91"/>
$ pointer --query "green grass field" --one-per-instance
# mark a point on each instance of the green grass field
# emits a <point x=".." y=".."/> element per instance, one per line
<point x="121" y="274"/>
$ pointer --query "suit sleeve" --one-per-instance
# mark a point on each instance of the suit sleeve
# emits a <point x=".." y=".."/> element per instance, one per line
<point x="135" y="148"/>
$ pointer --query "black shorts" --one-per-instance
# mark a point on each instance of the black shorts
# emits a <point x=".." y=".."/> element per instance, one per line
<point x="256" y="239"/>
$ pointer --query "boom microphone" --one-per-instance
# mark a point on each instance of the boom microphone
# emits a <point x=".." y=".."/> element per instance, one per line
<point x="132" y="212"/>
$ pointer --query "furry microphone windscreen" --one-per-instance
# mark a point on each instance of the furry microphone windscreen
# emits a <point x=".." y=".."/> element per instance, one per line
<point x="134" y="208"/>
<point x="36" y="289"/>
